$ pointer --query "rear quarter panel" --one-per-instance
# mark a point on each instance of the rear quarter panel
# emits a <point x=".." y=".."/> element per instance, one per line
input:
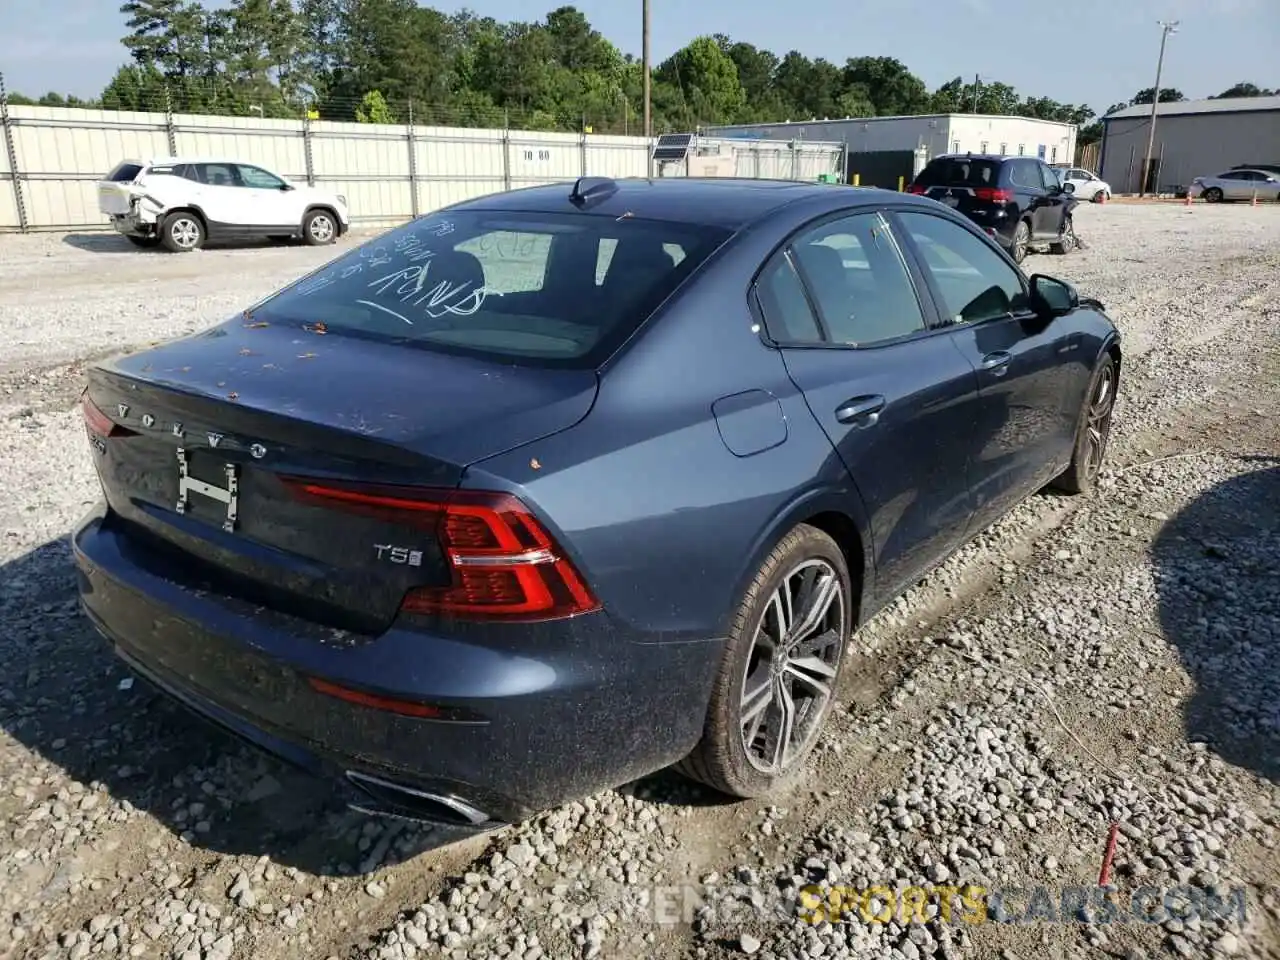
<point x="665" y="521"/>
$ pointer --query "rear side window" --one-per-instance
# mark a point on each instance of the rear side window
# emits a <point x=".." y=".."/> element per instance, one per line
<point x="1025" y="174"/>
<point x="125" y="173"/>
<point x="857" y="279"/>
<point x="960" y="172"/>
<point x="542" y="289"/>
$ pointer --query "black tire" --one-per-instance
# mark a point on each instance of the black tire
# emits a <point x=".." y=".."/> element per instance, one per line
<point x="1021" y="241"/>
<point x="721" y="759"/>
<point x="146" y="243"/>
<point x="182" y="231"/>
<point x="1212" y="195"/>
<point x="1100" y="196"/>
<point x="1093" y="431"/>
<point x="1066" y="241"/>
<point x="319" y="227"/>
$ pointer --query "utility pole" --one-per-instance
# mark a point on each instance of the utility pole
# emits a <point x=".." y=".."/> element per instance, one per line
<point x="1166" y="27"/>
<point x="648" y="107"/>
<point x="977" y="85"/>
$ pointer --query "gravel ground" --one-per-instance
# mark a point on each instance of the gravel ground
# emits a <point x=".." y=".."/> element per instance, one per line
<point x="1115" y="660"/>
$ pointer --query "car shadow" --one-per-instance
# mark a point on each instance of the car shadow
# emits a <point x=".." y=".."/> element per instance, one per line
<point x="1218" y="583"/>
<point x="67" y="699"/>
<point x="105" y="242"/>
<point x="111" y="242"/>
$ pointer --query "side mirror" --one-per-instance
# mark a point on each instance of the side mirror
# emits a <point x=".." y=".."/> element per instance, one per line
<point x="285" y="187"/>
<point x="1051" y="297"/>
<point x="1068" y="187"/>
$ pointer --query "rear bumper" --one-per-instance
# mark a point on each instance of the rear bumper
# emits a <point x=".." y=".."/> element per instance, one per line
<point x="557" y="712"/>
<point x="133" y="224"/>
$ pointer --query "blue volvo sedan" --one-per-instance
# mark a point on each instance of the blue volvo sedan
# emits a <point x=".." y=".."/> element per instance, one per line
<point x="554" y="488"/>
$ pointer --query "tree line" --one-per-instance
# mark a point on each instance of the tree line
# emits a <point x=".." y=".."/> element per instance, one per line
<point x="393" y="61"/>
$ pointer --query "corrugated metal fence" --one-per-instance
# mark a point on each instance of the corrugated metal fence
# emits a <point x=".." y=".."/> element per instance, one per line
<point x="53" y="156"/>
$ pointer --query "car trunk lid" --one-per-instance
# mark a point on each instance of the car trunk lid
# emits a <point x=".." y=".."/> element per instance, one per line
<point x="197" y="440"/>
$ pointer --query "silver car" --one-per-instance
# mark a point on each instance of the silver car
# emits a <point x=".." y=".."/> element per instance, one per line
<point x="1237" y="185"/>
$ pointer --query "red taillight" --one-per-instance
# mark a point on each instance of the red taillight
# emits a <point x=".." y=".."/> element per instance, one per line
<point x="504" y="564"/>
<point x="97" y="422"/>
<point x="994" y="194"/>
<point x="916" y="189"/>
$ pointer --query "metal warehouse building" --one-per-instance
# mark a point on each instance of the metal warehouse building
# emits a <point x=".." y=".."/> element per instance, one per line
<point x="882" y="149"/>
<point x="1194" y="138"/>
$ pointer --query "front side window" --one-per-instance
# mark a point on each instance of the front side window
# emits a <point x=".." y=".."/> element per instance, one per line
<point x="258" y="178"/>
<point x="521" y="287"/>
<point x="858" y="280"/>
<point x="975" y="282"/>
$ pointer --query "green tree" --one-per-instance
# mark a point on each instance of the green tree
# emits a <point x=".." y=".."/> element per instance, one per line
<point x="1167" y="95"/>
<point x="886" y="82"/>
<point x="135" y="88"/>
<point x="373" y="109"/>
<point x="1244" y="89"/>
<point x="707" y="80"/>
<point x="277" y="56"/>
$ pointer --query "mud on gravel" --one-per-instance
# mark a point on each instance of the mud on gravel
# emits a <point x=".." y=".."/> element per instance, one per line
<point x="1114" y="659"/>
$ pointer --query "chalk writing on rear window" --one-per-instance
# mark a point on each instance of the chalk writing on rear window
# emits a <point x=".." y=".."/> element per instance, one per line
<point x="412" y="247"/>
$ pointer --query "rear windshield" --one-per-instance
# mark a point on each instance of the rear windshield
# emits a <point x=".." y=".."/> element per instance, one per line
<point x="543" y="289"/>
<point x="124" y="173"/>
<point x="960" y="172"/>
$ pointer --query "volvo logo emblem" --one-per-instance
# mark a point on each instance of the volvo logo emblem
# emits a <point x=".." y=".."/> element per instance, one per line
<point x="148" y="420"/>
<point x="214" y="439"/>
<point x="123" y="408"/>
<point x="258" y="451"/>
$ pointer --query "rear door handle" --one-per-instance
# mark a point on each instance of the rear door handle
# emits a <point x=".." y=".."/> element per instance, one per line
<point x="861" y="411"/>
<point x="997" y="362"/>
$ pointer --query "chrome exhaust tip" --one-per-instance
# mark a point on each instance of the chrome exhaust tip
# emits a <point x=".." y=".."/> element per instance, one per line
<point x="408" y="803"/>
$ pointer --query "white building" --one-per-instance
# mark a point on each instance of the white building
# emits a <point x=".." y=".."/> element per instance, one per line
<point x="882" y="149"/>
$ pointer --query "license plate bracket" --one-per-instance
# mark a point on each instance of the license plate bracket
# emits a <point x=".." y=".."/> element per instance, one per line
<point x="228" y="496"/>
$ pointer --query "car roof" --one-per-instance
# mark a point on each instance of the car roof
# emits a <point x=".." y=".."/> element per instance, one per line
<point x="169" y="161"/>
<point x="996" y="157"/>
<point x="728" y="202"/>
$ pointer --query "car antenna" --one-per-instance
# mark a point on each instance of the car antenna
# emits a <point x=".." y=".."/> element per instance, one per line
<point x="592" y="188"/>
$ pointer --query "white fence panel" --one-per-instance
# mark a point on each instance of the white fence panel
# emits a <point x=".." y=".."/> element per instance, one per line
<point x="454" y="164"/>
<point x="388" y="173"/>
<point x="276" y="144"/>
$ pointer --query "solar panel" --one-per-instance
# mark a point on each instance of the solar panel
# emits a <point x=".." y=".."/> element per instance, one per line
<point x="672" y="146"/>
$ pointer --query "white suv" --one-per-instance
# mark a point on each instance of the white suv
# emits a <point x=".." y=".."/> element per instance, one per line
<point x="1089" y="186"/>
<point x="181" y="202"/>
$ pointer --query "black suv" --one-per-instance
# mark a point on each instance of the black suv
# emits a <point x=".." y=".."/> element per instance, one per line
<point x="1019" y="201"/>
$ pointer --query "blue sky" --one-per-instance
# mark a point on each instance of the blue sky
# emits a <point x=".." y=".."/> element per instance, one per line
<point x="1090" y="51"/>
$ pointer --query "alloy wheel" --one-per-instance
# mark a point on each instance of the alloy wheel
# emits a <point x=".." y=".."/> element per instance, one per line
<point x="321" y="229"/>
<point x="1098" y="422"/>
<point x="791" y="669"/>
<point x="1021" y="237"/>
<point x="1068" y="237"/>
<point x="185" y="233"/>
